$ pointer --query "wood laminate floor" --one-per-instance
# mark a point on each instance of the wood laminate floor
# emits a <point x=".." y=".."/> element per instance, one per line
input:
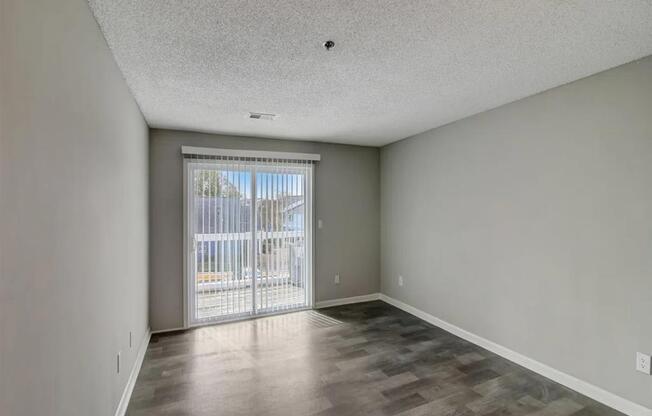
<point x="362" y="359"/>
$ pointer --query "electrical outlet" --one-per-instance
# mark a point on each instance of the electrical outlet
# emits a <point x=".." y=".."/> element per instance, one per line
<point x="117" y="367"/>
<point x="643" y="363"/>
<point x="400" y="280"/>
<point x="337" y="279"/>
<point x="320" y="224"/>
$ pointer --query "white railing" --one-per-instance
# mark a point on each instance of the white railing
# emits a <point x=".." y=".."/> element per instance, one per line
<point x="246" y="236"/>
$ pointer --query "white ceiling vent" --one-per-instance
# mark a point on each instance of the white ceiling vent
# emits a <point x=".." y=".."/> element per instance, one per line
<point x="262" y="116"/>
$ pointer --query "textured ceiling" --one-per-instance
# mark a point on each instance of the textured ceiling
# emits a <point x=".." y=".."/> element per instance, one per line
<point x="398" y="67"/>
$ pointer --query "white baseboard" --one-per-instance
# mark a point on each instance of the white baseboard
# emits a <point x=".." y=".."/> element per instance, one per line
<point x="163" y="331"/>
<point x="596" y="393"/>
<point x="131" y="382"/>
<point x="346" y="301"/>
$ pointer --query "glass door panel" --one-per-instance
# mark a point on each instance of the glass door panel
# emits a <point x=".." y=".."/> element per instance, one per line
<point x="221" y="279"/>
<point x="281" y="239"/>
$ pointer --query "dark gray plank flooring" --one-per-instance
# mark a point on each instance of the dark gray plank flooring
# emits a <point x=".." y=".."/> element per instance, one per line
<point x="362" y="359"/>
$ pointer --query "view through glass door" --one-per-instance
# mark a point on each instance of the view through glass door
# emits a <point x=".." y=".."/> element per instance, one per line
<point x="249" y="233"/>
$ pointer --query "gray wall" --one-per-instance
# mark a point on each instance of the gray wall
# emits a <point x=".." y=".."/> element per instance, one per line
<point x="531" y="225"/>
<point x="347" y="201"/>
<point x="73" y="214"/>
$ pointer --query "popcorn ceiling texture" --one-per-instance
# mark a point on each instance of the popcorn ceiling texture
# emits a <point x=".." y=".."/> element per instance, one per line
<point x="398" y="67"/>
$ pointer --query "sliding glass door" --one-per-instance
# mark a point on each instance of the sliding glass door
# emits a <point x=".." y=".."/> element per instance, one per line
<point x="249" y="237"/>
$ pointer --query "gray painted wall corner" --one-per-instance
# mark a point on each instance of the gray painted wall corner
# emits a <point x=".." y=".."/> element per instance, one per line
<point x="529" y="225"/>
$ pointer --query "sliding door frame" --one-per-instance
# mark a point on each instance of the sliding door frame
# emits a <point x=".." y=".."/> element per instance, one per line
<point x="186" y="247"/>
<point x="188" y="262"/>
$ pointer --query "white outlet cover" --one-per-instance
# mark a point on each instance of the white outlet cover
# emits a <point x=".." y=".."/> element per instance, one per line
<point x="643" y="363"/>
<point x="337" y="279"/>
<point x="320" y="224"/>
<point x="400" y="280"/>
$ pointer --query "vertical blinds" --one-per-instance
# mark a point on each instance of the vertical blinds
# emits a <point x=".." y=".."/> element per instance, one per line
<point x="250" y="228"/>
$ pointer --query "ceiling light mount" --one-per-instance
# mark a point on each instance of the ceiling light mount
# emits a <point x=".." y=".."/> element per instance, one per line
<point x="329" y="44"/>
